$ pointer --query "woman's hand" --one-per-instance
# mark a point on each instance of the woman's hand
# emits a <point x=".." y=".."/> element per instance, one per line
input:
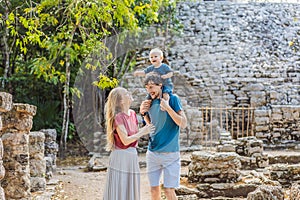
<point x="149" y="128"/>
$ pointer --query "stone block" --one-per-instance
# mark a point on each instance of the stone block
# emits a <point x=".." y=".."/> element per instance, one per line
<point x="25" y="108"/>
<point x="6" y="103"/>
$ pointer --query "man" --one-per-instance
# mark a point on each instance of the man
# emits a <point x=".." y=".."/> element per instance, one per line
<point x="163" y="155"/>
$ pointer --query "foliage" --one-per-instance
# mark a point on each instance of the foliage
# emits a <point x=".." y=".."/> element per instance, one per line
<point x="48" y="115"/>
<point x="43" y="95"/>
<point x="105" y="82"/>
<point x="49" y="40"/>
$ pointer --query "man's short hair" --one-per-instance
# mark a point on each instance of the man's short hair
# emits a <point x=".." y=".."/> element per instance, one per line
<point x="153" y="78"/>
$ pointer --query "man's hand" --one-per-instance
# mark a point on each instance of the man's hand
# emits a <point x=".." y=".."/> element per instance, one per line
<point x="145" y="106"/>
<point x="164" y="104"/>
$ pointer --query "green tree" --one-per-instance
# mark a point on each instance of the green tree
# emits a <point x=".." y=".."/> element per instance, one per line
<point x="56" y="36"/>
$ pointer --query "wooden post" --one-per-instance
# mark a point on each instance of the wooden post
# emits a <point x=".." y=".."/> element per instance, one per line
<point x="211" y="113"/>
<point x="232" y="114"/>
<point x="226" y="115"/>
<point x="243" y="120"/>
<point x="252" y="119"/>
<point x="248" y="121"/>
<point x="206" y="116"/>
<point x="203" y="140"/>
<point x="221" y="119"/>
<point x="238" y="124"/>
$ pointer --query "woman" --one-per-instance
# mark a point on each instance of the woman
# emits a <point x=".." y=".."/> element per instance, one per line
<point x="123" y="177"/>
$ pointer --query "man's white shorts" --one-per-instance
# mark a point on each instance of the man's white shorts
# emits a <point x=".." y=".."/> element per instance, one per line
<point x="167" y="164"/>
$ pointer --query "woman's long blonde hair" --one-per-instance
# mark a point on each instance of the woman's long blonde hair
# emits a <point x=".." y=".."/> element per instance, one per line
<point x="112" y="107"/>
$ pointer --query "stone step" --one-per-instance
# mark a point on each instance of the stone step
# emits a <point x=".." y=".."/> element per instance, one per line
<point x="287" y="157"/>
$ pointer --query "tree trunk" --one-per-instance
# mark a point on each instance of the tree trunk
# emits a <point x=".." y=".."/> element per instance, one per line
<point x="6" y="48"/>
<point x="66" y="116"/>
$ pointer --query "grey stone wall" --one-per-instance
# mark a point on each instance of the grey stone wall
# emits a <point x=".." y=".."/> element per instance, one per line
<point x="23" y="153"/>
<point x="240" y="52"/>
<point x="15" y="125"/>
<point x="231" y="55"/>
<point x="37" y="161"/>
<point x="51" y="150"/>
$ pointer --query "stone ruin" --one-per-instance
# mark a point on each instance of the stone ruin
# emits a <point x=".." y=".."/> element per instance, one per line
<point x="250" y="150"/>
<point x="27" y="158"/>
<point x="209" y="167"/>
<point x="233" y="55"/>
<point x="228" y="55"/>
<point x="240" y="171"/>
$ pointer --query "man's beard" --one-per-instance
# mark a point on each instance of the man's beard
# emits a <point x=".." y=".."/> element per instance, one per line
<point x="157" y="96"/>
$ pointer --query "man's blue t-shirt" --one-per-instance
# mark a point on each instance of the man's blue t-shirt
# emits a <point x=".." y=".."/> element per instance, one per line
<point x="166" y="135"/>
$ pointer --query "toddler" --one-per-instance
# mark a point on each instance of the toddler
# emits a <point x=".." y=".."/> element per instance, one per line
<point x="156" y="58"/>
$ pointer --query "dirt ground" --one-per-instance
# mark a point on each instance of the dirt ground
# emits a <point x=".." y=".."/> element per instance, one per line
<point x="76" y="183"/>
<point x="80" y="185"/>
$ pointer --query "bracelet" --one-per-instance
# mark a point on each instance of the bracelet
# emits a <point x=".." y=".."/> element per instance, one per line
<point x="145" y="114"/>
